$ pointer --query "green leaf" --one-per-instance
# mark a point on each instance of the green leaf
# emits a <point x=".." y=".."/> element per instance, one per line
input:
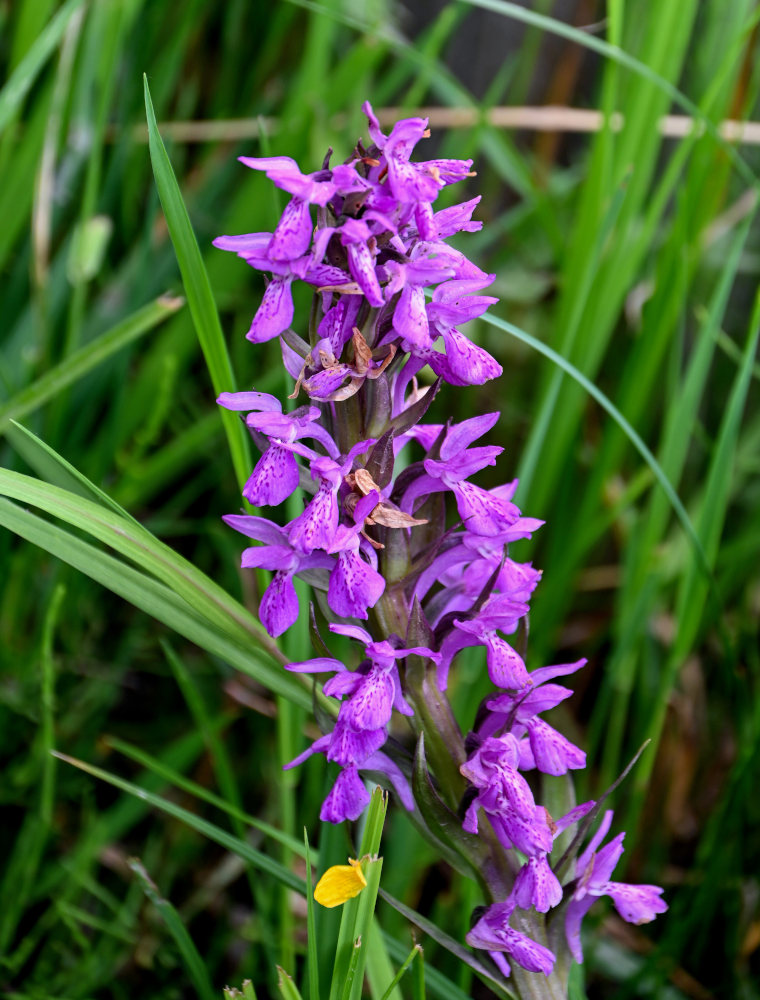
<point x="208" y="599"/>
<point x="463" y="850"/>
<point x="286" y="986"/>
<point x="312" y="959"/>
<point x="172" y="777"/>
<point x="149" y="595"/>
<point x="630" y="432"/>
<point x="416" y="950"/>
<point x="87" y="358"/>
<point x="22" y="79"/>
<point x="198" y="291"/>
<point x="54" y="468"/>
<point x="623" y="58"/>
<point x="202" y="826"/>
<point x="194" y="964"/>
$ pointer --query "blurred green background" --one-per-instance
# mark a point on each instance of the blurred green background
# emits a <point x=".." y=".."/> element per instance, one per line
<point x="632" y="255"/>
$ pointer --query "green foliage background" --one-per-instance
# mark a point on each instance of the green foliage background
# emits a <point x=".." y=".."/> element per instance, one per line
<point x="627" y="269"/>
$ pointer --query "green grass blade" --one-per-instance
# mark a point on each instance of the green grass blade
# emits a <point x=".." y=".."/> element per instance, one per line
<point x="438" y="984"/>
<point x="198" y="291"/>
<point x="87" y="358"/>
<point x="148" y="595"/>
<point x="634" y="437"/>
<point x="194" y="964"/>
<point x="47" y="702"/>
<point x="172" y="777"/>
<point x="54" y="468"/>
<point x="450" y="944"/>
<point x="380" y="967"/>
<point x="22" y="79"/>
<point x="202" y="826"/>
<point x="623" y="58"/>
<point x="286" y="986"/>
<point x="392" y="990"/>
<point x="312" y="952"/>
<point x="210" y="600"/>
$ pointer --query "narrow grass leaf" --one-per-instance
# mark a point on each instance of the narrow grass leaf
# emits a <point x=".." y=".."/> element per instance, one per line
<point x="47" y="704"/>
<point x="22" y="79"/>
<point x="194" y="964"/>
<point x="312" y="954"/>
<point x="392" y="991"/>
<point x="449" y="943"/>
<point x="618" y="55"/>
<point x="87" y="358"/>
<point x="149" y="595"/>
<point x="54" y="468"/>
<point x="210" y="600"/>
<point x="438" y="984"/>
<point x="630" y="432"/>
<point x="202" y="826"/>
<point x="286" y="986"/>
<point x="198" y="291"/>
<point x="173" y="777"/>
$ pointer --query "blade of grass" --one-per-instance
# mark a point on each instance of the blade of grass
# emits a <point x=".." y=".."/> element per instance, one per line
<point x="692" y="591"/>
<point x="22" y="79"/>
<point x="209" y="830"/>
<point x="451" y="945"/>
<point x="210" y="600"/>
<point x="148" y="595"/>
<point x="286" y="985"/>
<point x="392" y="991"/>
<point x="83" y="361"/>
<point x="312" y="954"/>
<point x="54" y="468"/>
<point x="623" y="58"/>
<point x="168" y="774"/>
<point x="47" y="702"/>
<point x="198" y="290"/>
<point x="625" y="426"/>
<point x="194" y="964"/>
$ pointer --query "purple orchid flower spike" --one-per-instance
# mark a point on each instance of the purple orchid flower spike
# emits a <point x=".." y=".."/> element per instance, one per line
<point x="365" y="360"/>
<point x="493" y="933"/>
<point x="638" y="904"/>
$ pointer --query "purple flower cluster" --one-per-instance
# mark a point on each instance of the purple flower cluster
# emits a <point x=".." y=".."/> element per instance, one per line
<point x="377" y="540"/>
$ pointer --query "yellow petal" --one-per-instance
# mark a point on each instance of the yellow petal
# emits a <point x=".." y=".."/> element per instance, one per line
<point x="339" y="883"/>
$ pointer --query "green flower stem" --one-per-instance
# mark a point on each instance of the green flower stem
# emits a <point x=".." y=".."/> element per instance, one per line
<point x="535" y="985"/>
<point x="444" y="744"/>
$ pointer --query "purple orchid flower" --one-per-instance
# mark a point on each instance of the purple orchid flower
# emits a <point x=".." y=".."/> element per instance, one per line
<point x="492" y="932"/>
<point x="483" y="512"/>
<point x="276" y="474"/>
<point x="638" y="904"/>
<point x="373" y="691"/>
<point x="544" y="748"/>
<point x="275" y="313"/>
<point x="355" y="584"/>
<point x="279" y="604"/>
<point x="315" y="528"/>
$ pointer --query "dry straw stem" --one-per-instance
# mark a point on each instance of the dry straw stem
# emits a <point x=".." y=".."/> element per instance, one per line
<point x="549" y="118"/>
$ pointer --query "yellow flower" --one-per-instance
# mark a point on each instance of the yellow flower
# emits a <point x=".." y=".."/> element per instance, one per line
<point x="339" y="883"/>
